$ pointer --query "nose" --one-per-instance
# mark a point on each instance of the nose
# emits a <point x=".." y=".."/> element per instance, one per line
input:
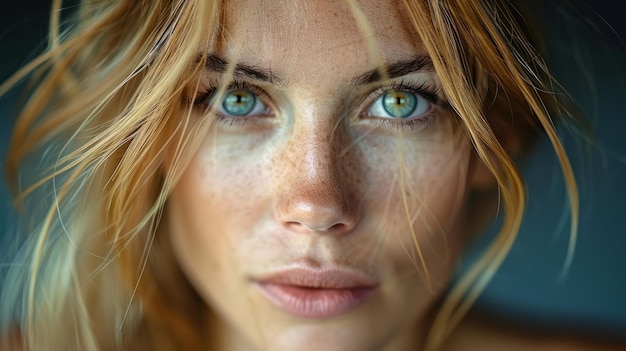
<point x="314" y="195"/>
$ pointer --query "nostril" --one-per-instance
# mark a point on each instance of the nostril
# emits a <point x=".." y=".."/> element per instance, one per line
<point x="313" y="197"/>
<point x="319" y="228"/>
<point x="337" y="227"/>
<point x="332" y="222"/>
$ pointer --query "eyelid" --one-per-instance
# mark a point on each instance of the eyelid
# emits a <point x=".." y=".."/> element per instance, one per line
<point x="422" y="108"/>
<point x="427" y="89"/>
<point x="213" y="86"/>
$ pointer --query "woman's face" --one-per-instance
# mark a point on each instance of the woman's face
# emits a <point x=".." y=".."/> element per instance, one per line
<point x="325" y="209"/>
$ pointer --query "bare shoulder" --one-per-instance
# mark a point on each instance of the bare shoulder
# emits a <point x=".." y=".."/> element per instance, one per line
<point x="484" y="334"/>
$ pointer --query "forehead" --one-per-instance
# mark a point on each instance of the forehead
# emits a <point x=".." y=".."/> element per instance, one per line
<point x="308" y="34"/>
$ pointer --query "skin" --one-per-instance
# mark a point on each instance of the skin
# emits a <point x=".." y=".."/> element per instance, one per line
<point x="301" y="185"/>
<point x="317" y="180"/>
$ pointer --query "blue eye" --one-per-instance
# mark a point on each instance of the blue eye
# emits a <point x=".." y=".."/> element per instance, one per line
<point x="241" y="103"/>
<point x="399" y="104"/>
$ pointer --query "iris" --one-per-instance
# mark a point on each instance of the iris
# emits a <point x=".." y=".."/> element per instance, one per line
<point x="399" y="104"/>
<point x="239" y="102"/>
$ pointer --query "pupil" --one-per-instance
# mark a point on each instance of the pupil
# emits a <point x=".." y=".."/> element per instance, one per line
<point x="239" y="102"/>
<point x="399" y="104"/>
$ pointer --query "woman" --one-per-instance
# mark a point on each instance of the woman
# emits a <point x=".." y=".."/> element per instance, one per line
<point x="273" y="175"/>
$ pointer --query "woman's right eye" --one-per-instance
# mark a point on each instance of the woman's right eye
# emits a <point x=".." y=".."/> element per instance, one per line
<point x="237" y="103"/>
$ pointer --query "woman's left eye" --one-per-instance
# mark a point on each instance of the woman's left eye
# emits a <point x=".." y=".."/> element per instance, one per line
<point x="399" y="104"/>
<point x="241" y="103"/>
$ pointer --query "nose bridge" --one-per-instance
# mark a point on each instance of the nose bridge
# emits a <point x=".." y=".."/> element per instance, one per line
<point x="318" y="162"/>
<point x="317" y="138"/>
<point x="315" y="195"/>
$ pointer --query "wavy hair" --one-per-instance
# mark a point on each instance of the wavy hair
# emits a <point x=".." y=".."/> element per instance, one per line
<point x="106" y="120"/>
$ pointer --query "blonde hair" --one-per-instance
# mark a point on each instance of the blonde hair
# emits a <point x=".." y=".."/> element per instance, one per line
<point x="107" y="107"/>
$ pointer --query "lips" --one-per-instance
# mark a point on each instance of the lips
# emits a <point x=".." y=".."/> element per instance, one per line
<point x="316" y="293"/>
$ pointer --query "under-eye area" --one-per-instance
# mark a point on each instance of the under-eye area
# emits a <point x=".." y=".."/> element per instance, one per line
<point x="294" y="175"/>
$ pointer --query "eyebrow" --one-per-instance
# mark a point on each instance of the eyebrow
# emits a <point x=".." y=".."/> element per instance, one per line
<point x="395" y="70"/>
<point x="219" y="64"/>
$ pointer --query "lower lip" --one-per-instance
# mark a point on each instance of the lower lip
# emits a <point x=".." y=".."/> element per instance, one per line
<point x="314" y="303"/>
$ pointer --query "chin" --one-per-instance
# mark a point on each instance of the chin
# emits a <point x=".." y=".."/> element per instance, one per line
<point x="321" y="335"/>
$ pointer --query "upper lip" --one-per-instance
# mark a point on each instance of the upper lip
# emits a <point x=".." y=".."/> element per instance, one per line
<point x="319" y="278"/>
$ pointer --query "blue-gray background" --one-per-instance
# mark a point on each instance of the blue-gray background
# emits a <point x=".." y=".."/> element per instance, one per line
<point x="593" y="295"/>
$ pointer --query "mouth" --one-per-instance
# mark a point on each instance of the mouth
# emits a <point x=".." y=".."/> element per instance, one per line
<point x="316" y="293"/>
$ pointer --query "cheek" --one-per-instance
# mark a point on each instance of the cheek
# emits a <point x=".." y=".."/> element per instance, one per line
<point x="417" y="194"/>
<point x="412" y="191"/>
<point x="437" y="190"/>
<point x="421" y="182"/>
<point x="221" y="187"/>
<point x="210" y="210"/>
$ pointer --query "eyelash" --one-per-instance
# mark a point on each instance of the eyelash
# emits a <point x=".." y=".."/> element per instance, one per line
<point x="424" y="89"/>
<point x="212" y="87"/>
